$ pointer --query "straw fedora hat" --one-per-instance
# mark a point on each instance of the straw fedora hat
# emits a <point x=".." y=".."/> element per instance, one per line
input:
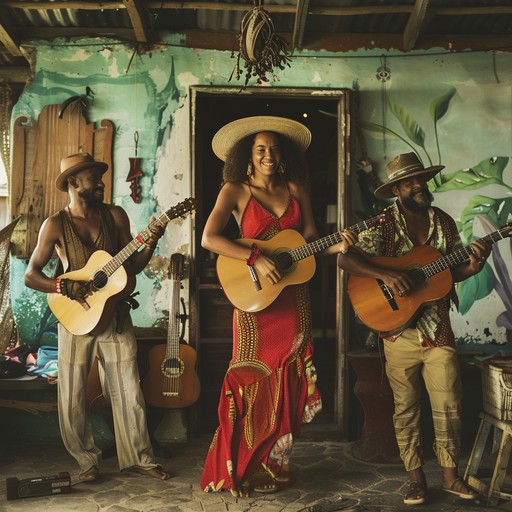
<point x="75" y="163"/>
<point x="404" y="166"/>
<point x="224" y="140"/>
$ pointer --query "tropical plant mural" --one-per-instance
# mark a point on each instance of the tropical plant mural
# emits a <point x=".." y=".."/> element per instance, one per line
<point x="489" y="213"/>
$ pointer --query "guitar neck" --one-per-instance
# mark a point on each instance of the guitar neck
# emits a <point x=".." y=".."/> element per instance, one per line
<point x="304" y="251"/>
<point x="135" y="244"/>
<point x="457" y="257"/>
<point x="172" y="350"/>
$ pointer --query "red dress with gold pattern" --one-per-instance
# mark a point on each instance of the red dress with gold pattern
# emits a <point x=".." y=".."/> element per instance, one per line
<point x="264" y="398"/>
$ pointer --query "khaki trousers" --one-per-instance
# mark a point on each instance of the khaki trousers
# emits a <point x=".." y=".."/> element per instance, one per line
<point x="119" y="374"/>
<point x="406" y="362"/>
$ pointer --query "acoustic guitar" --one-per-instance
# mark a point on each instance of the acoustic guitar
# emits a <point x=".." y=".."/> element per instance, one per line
<point x="110" y="279"/>
<point x="383" y="311"/>
<point x="171" y="380"/>
<point x="294" y="257"/>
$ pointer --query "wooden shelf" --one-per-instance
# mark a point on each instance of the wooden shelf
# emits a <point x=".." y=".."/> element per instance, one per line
<point x="218" y="341"/>
<point x="209" y="286"/>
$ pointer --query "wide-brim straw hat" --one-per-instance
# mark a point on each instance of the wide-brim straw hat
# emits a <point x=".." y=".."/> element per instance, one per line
<point x="404" y="166"/>
<point x="224" y="140"/>
<point x="75" y="163"/>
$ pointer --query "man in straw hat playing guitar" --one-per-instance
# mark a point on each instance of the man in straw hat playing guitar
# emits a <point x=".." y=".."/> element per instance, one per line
<point x="84" y="226"/>
<point x="427" y="347"/>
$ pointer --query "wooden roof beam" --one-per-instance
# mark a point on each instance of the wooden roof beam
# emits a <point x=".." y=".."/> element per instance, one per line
<point x="14" y="74"/>
<point x="92" y="5"/>
<point x="301" y="15"/>
<point x="7" y="37"/>
<point x="8" y="41"/>
<point x="138" y="19"/>
<point x="415" y="24"/>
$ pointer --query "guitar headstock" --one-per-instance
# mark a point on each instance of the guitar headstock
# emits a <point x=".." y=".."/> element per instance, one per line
<point x="176" y="267"/>
<point x="506" y="230"/>
<point x="181" y="209"/>
<point x="375" y="222"/>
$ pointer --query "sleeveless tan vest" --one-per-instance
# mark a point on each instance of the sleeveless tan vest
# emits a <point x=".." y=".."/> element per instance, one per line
<point x="79" y="251"/>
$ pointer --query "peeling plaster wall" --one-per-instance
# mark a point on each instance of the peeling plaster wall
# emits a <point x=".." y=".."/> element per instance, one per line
<point x="150" y="94"/>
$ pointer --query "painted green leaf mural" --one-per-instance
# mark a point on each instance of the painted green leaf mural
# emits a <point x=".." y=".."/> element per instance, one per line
<point x="439" y="106"/>
<point x="487" y="172"/>
<point x="378" y="131"/>
<point x="496" y="211"/>
<point x="474" y="288"/>
<point x="412" y="129"/>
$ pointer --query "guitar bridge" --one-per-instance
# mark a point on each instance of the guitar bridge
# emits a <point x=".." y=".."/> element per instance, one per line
<point x="388" y="294"/>
<point x="169" y="393"/>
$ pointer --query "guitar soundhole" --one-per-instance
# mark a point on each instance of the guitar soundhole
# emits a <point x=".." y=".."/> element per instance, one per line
<point x="284" y="260"/>
<point x="100" y="279"/>
<point x="418" y="278"/>
<point x="172" y="367"/>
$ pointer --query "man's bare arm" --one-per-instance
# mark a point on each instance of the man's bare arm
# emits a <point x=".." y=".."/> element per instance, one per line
<point x="49" y="236"/>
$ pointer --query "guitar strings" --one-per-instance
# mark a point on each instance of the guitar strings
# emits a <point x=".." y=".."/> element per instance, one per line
<point x="459" y="256"/>
<point x="172" y="356"/>
<point x="304" y="251"/>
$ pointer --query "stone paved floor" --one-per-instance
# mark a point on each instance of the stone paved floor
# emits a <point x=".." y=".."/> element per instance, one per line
<point x="326" y="478"/>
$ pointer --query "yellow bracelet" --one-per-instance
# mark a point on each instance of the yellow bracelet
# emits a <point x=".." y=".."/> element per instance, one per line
<point x="149" y="246"/>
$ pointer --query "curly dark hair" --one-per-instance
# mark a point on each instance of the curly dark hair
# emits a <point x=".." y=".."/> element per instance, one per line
<point x="235" y="166"/>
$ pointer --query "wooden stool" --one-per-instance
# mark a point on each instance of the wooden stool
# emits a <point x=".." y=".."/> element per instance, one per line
<point x="501" y="446"/>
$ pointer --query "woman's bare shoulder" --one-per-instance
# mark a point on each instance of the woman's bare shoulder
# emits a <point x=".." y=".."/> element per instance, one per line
<point x="232" y="187"/>
<point x="296" y="189"/>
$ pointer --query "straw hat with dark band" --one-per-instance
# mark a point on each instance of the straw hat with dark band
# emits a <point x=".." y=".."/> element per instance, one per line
<point x="401" y="167"/>
<point x="224" y="140"/>
<point x="73" y="164"/>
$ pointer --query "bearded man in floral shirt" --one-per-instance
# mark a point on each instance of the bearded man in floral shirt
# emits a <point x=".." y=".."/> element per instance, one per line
<point x="426" y="348"/>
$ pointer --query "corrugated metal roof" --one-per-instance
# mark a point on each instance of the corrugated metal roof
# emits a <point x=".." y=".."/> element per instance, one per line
<point x="330" y="24"/>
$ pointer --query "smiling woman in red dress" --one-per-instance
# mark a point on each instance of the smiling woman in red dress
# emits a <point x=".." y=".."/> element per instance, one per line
<point x="269" y="389"/>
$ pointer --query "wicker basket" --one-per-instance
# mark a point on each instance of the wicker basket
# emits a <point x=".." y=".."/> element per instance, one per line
<point x="497" y="389"/>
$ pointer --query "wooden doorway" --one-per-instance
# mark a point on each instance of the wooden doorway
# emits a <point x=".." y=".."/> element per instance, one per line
<point x="326" y="113"/>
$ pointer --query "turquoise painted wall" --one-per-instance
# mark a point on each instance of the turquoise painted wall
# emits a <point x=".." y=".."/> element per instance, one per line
<point x="453" y="109"/>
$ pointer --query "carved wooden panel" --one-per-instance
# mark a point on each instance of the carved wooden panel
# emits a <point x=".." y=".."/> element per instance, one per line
<point x="38" y="148"/>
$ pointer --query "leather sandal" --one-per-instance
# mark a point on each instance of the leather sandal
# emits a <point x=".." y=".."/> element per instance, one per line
<point x="461" y="489"/>
<point x="268" y="488"/>
<point x="417" y="493"/>
<point x="90" y="475"/>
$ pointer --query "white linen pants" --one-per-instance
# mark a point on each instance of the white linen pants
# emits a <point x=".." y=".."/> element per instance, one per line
<point x="117" y="355"/>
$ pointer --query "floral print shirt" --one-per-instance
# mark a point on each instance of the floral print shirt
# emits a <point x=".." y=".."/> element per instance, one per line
<point x="392" y="239"/>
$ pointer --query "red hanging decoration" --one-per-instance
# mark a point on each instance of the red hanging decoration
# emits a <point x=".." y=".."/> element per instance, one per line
<point x="135" y="173"/>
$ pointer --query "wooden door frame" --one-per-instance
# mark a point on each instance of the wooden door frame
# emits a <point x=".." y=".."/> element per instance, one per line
<point x="343" y="199"/>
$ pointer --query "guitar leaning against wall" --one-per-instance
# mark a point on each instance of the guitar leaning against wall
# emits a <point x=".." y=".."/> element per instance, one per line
<point x="382" y="311"/>
<point x="171" y="380"/>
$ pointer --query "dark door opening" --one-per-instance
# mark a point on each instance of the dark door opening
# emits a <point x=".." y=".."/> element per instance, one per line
<point x="321" y="114"/>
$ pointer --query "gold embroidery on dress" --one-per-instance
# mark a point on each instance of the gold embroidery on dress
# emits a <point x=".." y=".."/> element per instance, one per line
<point x="260" y="367"/>
<point x="214" y="440"/>
<point x="251" y="392"/>
<point x="248" y="339"/>
<point x="232" y="409"/>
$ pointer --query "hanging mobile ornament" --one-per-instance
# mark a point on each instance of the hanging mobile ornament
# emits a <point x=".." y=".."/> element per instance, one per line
<point x="383" y="75"/>
<point x="135" y="173"/>
<point x="261" y="50"/>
